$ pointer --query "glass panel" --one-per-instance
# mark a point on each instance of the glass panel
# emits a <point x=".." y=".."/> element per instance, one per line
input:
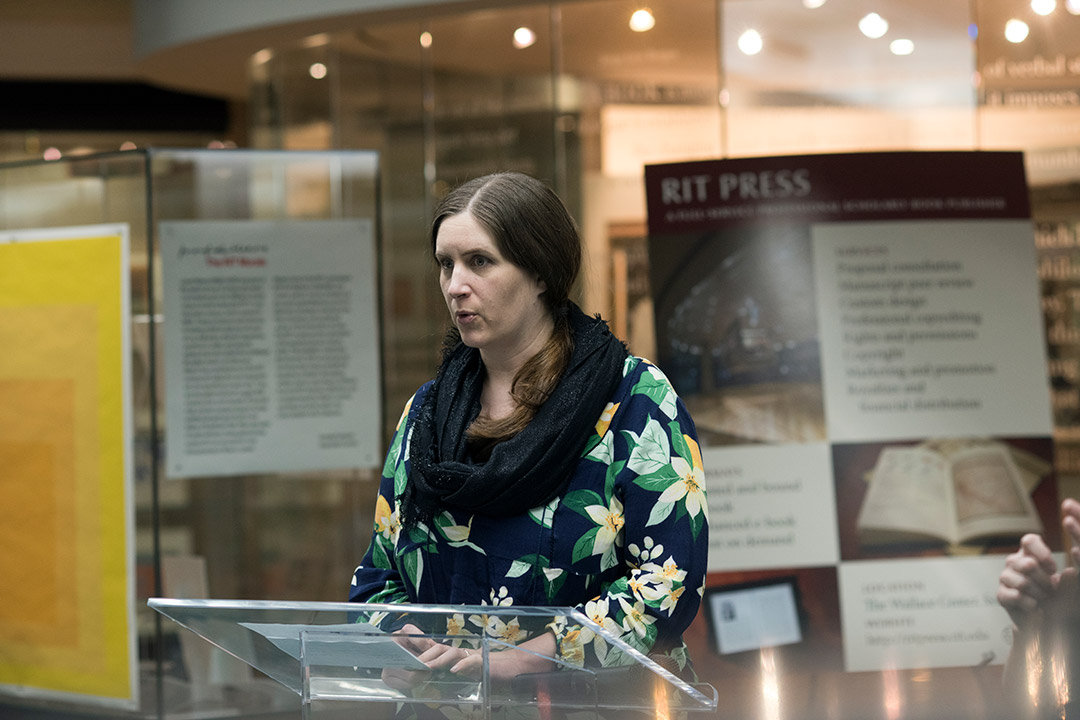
<point x="492" y="94"/>
<point x="346" y="656"/>
<point x="634" y="97"/>
<point x="277" y="536"/>
<point x="810" y="80"/>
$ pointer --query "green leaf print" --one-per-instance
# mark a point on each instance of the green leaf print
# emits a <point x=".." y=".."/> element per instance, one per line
<point x="696" y="523"/>
<point x="392" y="455"/>
<point x="527" y="563"/>
<point x="545" y="514"/>
<point x="584" y="546"/>
<point x="658" y="481"/>
<point x="652" y="451"/>
<point x="554" y="580"/>
<point x="413" y="563"/>
<point x="602" y="451"/>
<point x="379" y="555"/>
<point x="678" y="442"/>
<point x="650" y="387"/>
<point x="612" y="473"/>
<point x="518" y="568"/>
<point x="656" y="387"/>
<point x="660" y="513"/>
<point x="581" y="499"/>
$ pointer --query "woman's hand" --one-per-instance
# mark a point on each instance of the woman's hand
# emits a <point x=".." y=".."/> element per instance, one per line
<point x="504" y="665"/>
<point x="1070" y="522"/>
<point x="411" y="638"/>
<point x="1031" y="576"/>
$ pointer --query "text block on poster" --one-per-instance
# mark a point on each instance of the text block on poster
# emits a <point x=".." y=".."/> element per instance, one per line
<point x="927" y="329"/>
<point x="770" y="507"/>
<point x="922" y="613"/>
<point x="271" y="346"/>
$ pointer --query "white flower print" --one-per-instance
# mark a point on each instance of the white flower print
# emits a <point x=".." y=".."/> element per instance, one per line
<point x="611" y="521"/>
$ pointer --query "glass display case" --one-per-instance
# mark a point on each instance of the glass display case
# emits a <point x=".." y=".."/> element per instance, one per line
<point x="278" y="535"/>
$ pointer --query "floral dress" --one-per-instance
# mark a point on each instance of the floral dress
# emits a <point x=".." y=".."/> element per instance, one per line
<point x="626" y="543"/>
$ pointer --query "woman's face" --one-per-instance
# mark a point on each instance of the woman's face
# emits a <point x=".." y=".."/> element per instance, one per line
<point x="494" y="304"/>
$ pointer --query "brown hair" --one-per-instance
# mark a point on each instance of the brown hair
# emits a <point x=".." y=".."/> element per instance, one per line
<point x="532" y="229"/>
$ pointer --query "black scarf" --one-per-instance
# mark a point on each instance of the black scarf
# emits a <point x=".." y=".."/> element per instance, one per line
<point x="531" y="468"/>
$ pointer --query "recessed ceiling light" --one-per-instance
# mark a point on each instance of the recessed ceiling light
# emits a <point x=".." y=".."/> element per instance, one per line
<point x="312" y="41"/>
<point x="317" y="70"/>
<point x="425" y="39"/>
<point x="1073" y="6"/>
<point x="750" y="42"/>
<point x="1043" y="7"/>
<point x="52" y="153"/>
<point x="902" y="46"/>
<point x="1016" y="31"/>
<point x="873" y="26"/>
<point x="524" y="37"/>
<point x="642" y="20"/>
<point x="812" y="4"/>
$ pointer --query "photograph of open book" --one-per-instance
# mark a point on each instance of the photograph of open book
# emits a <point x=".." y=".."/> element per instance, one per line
<point x="959" y="492"/>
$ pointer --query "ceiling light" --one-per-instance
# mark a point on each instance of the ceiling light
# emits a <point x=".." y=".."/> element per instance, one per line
<point x="873" y="26"/>
<point x="52" y="153"/>
<point x="642" y="20"/>
<point x="313" y="41"/>
<point x="524" y="37"/>
<point x="812" y="4"/>
<point x="1016" y="31"/>
<point x="128" y="145"/>
<point x="750" y="42"/>
<point x="263" y="56"/>
<point x="1073" y="6"/>
<point x="1043" y="7"/>
<point x="902" y="46"/>
<point x="317" y="71"/>
<point x="425" y="39"/>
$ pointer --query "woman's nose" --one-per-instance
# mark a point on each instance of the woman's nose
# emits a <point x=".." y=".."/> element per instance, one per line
<point x="457" y="285"/>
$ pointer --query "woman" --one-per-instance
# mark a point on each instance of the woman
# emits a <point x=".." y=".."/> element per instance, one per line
<point x="543" y="465"/>
<point x="1043" y="602"/>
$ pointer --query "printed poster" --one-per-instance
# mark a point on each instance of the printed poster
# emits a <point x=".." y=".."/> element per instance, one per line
<point x="67" y="606"/>
<point x="272" y="352"/>
<point x="859" y="340"/>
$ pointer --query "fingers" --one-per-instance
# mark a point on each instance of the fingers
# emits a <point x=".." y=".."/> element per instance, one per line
<point x="448" y="657"/>
<point x="1034" y="556"/>
<point x="1070" y="522"/>
<point x="1028" y="579"/>
<point x="412" y="639"/>
<point x="402" y="679"/>
<point x="470" y="665"/>
<point x="1015" y="583"/>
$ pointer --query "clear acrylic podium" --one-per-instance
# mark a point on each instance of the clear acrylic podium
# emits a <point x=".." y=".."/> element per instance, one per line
<point x="331" y="653"/>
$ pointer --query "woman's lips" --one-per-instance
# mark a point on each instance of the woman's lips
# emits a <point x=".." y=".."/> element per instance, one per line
<point x="464" y="318"/>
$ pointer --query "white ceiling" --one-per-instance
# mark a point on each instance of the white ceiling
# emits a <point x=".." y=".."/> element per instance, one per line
<point x="816" y="52"/>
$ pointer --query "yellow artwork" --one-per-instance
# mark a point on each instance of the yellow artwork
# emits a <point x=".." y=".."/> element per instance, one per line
<point x="65" y="558"/>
